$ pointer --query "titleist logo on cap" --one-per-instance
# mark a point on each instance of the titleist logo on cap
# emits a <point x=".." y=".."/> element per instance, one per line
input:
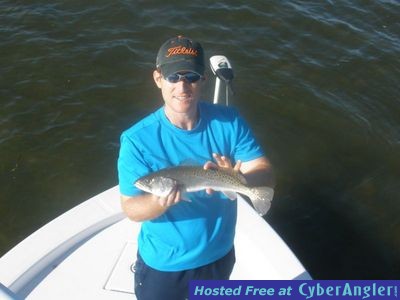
<point x="181" y="50"/>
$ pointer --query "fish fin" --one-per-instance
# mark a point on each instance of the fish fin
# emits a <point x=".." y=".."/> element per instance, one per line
<point x="184" y="197"/>
<point x="231" y="195"/>
<point x="261" y="198"/>
<point x="241" y="178"/>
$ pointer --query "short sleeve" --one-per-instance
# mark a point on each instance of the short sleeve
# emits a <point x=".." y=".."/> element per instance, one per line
<point x="131" y="166"/>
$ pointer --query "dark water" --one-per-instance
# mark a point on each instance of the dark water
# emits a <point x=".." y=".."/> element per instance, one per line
<point x="319" y="82"/>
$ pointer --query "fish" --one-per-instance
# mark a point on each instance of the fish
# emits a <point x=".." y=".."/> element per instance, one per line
<point x="196" y="178"/>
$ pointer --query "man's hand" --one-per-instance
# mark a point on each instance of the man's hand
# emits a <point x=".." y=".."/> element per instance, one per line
<point x="149" y="206"/>
<point x="172" y="198"/>
<point x="222" y="163"/>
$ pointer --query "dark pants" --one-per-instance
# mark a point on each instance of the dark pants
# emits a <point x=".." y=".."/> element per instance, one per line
<point x="151" y="284"/>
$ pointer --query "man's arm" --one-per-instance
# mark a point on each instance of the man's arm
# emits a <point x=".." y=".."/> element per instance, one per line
<point x="148" y="206"/>
<point x="258" y="172"/>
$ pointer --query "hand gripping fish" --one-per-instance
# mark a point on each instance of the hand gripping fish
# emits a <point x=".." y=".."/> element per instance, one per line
<point x="195" y="178"/>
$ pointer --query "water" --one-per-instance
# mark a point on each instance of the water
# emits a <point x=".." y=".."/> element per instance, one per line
<point x="318" y="81"/>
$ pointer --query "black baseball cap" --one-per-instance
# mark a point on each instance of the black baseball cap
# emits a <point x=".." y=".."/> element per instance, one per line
<point x="180" y="54"/>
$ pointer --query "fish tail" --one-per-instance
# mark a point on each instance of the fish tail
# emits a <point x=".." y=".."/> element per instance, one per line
<point x="261" y="198"/>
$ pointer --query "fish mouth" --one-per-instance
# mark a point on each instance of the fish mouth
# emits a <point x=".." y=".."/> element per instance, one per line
<point x="143" y="187"/>
<point x="140" y="185"/>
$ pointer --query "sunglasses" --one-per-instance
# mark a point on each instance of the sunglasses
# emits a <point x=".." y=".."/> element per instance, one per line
<point x="190" y="77"/>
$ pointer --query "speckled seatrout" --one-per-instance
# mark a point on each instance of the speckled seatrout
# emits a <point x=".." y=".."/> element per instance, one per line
<point x="195" y="178"/>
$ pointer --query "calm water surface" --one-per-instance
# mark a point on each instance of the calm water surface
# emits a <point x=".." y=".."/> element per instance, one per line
<point x="318" y="81"/>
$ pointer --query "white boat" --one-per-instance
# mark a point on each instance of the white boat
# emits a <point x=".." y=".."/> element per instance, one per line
<point x="88" y="253"/>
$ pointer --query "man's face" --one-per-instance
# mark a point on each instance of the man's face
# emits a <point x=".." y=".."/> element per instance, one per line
<point x="179" y="97"/>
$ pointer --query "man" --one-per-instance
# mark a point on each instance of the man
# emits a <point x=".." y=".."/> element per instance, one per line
<point x="184" y="240"/>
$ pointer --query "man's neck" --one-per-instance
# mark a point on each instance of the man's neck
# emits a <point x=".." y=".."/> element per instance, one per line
<point x="186" y="121"/>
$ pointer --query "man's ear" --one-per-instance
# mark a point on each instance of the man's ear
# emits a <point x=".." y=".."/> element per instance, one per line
<point x="157" y="78"/>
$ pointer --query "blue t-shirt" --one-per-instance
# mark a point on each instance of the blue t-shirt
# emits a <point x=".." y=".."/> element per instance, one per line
<point x="190" y="234"/>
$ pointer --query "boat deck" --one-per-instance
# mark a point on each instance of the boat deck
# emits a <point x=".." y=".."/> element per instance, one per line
<point x="99" y="263"/>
